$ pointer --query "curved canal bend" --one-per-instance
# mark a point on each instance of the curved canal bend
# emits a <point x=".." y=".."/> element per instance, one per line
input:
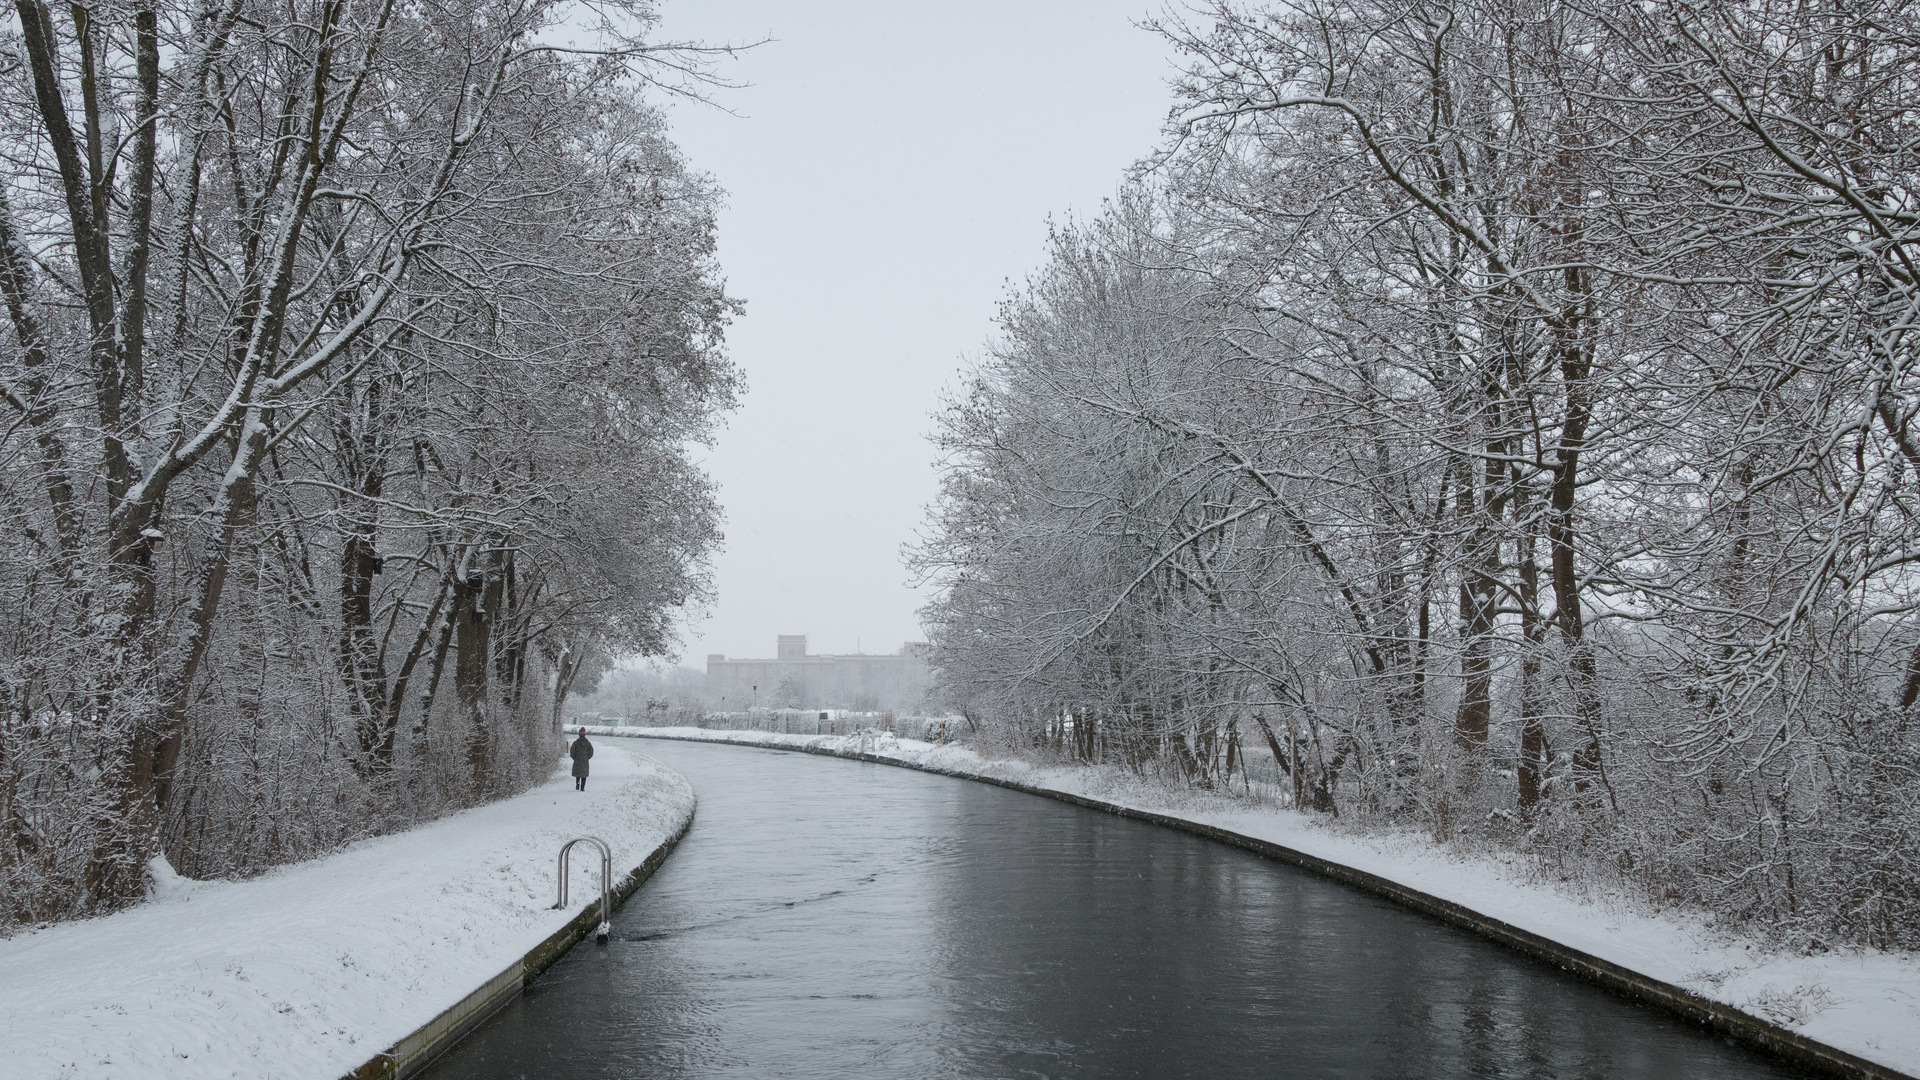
<point x="833" y="919"/>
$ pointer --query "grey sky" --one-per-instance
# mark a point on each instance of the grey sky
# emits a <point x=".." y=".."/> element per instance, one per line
<point x="893" y="166"/>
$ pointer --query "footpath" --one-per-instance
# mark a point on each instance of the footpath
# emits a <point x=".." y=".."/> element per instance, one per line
<point x="1865" y="1004"/>
<point x="314" y="970"/>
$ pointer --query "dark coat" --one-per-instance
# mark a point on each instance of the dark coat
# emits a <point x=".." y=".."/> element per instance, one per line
<point x="581" y="751"/>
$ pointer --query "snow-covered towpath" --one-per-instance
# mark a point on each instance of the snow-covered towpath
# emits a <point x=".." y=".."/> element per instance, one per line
<point x="1865" y="1003"/>
<point x="312" y="969"/>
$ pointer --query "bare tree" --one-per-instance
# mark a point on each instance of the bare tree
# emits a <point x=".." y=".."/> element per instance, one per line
<point x="1502" y="407"/>
<point x="286" y="282"/>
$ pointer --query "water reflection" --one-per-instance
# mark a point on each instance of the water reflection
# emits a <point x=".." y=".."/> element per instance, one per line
<point x="834" y="920"/>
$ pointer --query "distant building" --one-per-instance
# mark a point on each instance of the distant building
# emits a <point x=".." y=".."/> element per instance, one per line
<point x="792" y="677"/>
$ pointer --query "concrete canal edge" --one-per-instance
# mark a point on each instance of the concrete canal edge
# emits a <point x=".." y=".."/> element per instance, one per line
<point x="418" y="1050"/>
<point x="1722" y="1019"/>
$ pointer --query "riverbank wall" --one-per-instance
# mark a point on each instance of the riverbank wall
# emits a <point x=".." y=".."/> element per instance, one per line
<point x="1840" y="1014"/>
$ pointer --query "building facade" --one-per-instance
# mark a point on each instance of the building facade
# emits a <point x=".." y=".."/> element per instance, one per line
<point x="794" y="678"/>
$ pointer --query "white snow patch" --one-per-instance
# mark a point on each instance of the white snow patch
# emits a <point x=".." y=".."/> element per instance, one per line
<point x="312" y="969"/>
<point x="1864" y="1002"/>
<point x="164" y="883"/>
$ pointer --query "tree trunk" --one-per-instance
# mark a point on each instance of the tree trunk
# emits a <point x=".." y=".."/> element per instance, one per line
<point x="1531" y="770"/>
<point x="474" y="639"/>
<point x="1575" y="366"/>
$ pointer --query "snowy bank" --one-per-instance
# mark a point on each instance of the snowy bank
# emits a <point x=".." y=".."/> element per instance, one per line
<point x="1864" y="1004"/>
<point x="315" y="969"/>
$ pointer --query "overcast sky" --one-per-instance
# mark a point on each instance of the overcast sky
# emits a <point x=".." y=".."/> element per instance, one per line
<point x="892" y="168"/>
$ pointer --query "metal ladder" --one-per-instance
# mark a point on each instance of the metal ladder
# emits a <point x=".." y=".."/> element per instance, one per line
<point x="606" y="883"/>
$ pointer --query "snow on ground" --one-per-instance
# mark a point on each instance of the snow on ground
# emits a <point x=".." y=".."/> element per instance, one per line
<point x="1866" y="1003"/>
<point x="312" y="969"/>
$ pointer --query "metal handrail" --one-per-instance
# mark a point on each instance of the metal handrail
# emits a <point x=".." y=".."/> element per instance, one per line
<point x="606" y="883"/>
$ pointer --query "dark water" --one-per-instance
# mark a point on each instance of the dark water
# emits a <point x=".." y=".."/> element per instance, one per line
<point x="836" y="920"/>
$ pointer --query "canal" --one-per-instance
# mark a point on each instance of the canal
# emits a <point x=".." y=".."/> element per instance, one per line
<point x="831" y="919"/>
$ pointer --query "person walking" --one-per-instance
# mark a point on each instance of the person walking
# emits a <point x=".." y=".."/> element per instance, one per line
<point x="581" y="750"/>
